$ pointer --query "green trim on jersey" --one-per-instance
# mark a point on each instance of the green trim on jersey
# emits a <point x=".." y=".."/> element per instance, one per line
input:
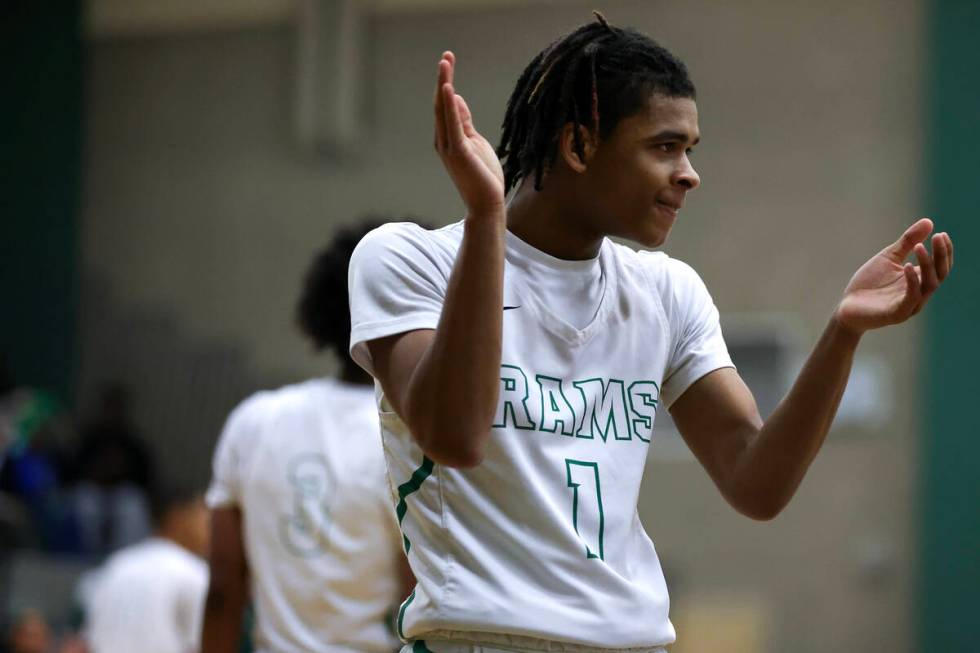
<point x="408" y="487"/>
<point x="420" y="647"/>
<point x="401" y="613"/>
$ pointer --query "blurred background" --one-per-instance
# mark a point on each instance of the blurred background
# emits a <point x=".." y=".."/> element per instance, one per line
<point x="169" y="168"/>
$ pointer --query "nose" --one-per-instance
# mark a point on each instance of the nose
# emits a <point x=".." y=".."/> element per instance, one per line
<point x="686" y="176"/>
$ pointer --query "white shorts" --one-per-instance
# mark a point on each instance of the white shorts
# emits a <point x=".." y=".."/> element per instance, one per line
<point x="470" y="642"/>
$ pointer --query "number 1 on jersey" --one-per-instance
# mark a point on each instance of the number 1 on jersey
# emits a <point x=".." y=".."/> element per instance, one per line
<point x="587" y="517"/>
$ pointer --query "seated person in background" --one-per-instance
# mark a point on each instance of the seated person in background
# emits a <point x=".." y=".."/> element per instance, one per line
<point x="149" y="596"/>
<point x="28" y="633"/>
<point x="300" y="507"/>
<point x="113" y="473"/>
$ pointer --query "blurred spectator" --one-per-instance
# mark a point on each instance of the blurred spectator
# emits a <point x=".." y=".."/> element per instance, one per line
<point x="33" y="434"/>
<point x="112" y="474"/>
<point x="149" y="597"/>
<point x="29" y="633"/>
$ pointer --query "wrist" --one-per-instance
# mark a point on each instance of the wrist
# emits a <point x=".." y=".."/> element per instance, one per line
<point x="840" y="330"/>
<point x="491" y="216"/>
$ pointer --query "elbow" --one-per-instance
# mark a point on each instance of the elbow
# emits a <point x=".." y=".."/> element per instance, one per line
<point x="761" y="514"/>
<point x="457" y="441"/>
<point x="457" y="459"/>
<point x="758" y="507"/>
<point x="452" y="446"/>
<point x="459" y="452"/>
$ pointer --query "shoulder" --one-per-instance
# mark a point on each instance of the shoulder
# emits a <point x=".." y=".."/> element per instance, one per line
<point x="180" y="567"/>
<point x="250" y="411"/>
<point x="266" y="405"/>
<point x="192" y="566"/>
<point x="671" y="278"/>
<point x="408" y="240"/>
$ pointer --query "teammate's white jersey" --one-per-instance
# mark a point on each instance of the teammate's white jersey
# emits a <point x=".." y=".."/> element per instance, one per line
<point x="304" y="465"/>
<point x="542" y="540"/>
<point x="148" y="597"/>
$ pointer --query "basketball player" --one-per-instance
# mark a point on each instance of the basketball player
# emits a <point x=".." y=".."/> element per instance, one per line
<point x="150" y="596"/>
<point x="523" y="356"/>
<point x="300" y="507"/>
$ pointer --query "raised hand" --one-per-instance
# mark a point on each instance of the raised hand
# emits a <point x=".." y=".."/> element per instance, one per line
<point x="468" y="157"/>
<point x="887" y="289"/>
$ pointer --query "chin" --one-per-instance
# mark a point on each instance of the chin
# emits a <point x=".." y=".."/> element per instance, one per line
<point x="653" y="238"/>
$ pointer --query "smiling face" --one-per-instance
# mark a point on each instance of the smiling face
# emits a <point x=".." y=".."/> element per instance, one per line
<point x="636" y="180"/>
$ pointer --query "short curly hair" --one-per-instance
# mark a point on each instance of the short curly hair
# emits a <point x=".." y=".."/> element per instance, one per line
<point x="323" y="311"/>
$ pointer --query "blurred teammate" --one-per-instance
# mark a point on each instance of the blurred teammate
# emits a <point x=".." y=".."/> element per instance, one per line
<point x="523" y="357"/>
<point x="300" y="508"/>
<point x="149" y="597"/>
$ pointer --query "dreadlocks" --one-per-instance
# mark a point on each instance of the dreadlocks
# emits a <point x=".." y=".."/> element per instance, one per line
<point x="592" y="78"/>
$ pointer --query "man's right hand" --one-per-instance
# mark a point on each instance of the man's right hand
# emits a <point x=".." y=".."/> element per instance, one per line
<point x="469" y="158"/>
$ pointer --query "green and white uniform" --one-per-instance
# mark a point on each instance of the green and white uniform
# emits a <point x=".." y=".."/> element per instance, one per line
<point x="541" y="543"/>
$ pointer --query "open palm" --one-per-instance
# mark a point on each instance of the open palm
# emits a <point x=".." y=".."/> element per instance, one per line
<point x="888" y="290"/>
<point x="468" y="157"/>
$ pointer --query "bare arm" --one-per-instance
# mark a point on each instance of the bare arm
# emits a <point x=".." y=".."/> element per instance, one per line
<point x="406" y="579"/>
<point x="758" y="466"/>
<point x="444" y="383"/>
<point x="228" y="586"/>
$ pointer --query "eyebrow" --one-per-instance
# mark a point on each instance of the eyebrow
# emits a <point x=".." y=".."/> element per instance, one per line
<point x="669" y="135"/>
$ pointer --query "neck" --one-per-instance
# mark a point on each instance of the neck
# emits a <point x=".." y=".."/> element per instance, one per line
<point x="178" y="536"/>
<point x="548" y="221"/>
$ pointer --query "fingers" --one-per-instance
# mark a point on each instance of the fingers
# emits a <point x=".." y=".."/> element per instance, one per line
<point x="927" y="268"/>
<point x="902" y="247"/>
<point x="444" y="76"/>
<point x="942" y="255"/>
<point x="451" y="113"/>
<point x="454" y="123"/>
<point x="465" y="117"/>
<point x="913" y="289"/>
<point x="451" y="58"/>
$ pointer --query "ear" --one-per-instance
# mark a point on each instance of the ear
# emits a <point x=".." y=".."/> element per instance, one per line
<point x="566" y="147"/>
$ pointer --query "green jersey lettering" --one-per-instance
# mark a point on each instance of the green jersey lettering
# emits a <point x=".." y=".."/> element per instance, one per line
<point x="605" y="409"/>
<point x="512" y="405"/>
<point x="644" y="398"/>
<point x="556" y="410"/>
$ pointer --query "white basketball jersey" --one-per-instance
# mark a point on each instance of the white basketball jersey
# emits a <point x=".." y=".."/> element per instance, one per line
<point x="304" y="465"/>
<point x="542" y="540"/>
<point x="148" y="597"/>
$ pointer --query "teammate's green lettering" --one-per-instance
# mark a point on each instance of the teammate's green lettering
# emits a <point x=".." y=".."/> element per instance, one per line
<point x="304" y="532"/>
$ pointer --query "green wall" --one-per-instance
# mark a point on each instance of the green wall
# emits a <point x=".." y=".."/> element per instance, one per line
<point x="950" y="526"/>
<point x="40" y="126"/>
